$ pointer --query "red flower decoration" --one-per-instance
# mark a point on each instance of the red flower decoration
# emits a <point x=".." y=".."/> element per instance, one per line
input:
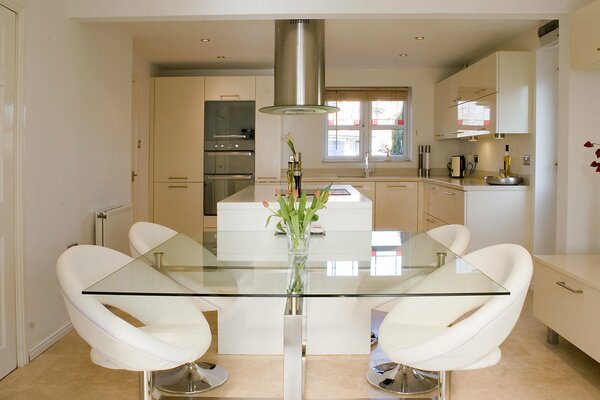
<point x="594" y="164"/>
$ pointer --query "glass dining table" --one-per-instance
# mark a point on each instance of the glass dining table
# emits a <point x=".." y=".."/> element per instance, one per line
<point x="368" y="268"/>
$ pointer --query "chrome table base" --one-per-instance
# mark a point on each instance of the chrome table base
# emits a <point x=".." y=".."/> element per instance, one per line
<point x="400" y="379"/>
<point x="190" y="378"/>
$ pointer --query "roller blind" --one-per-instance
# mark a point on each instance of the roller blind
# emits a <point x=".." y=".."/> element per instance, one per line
<point x="366" y="94"/>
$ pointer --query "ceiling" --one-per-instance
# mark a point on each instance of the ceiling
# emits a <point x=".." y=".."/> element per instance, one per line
<point x="349" y="43"/>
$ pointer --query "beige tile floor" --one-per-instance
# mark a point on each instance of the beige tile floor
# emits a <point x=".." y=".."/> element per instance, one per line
<point x="530" y="369"/>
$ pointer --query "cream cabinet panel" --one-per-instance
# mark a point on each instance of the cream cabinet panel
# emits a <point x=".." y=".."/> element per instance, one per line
<point x="230" y="88"/>
<point x="445" y="204"/>
<point x="585" y="37"/>
<point x="396" y="205"/>
<point x="179" y="206"/>
<point x="268" y="134"/>
<point x="178" y="138"/>
<point x="569" y="307"/>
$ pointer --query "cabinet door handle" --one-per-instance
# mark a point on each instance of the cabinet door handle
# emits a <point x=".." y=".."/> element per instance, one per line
<point x="266" y="178"/>
<point x="178" y="177"/>
<point x="429" y="188"/>
<point x="449" y="194"/>
<point x="564" y="285"/>
<point x="357" y="186"/>
<point x="397" y="186"/>
<point x="230" y="96"/>
<point x="177" y="186"/>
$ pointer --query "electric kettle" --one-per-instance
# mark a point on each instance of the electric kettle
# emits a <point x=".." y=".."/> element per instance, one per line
<point x="458" y="165"/>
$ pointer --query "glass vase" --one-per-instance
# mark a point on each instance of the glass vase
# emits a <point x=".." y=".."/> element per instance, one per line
<point x="298" y="242"/>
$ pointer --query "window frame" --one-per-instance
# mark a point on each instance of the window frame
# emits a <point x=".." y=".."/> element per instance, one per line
<point x="365" y="130"/>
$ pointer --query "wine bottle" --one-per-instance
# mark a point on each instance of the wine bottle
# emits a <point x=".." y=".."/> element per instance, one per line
<point x="506" y="163"/>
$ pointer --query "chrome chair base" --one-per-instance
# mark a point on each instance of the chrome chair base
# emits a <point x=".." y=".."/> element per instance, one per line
<point x="190" y="378"/>
<point x="402" y="380"/>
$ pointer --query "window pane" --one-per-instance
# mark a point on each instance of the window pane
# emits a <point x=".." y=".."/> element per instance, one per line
<point x="387" y="142"/>
<point x="387" y="113"/>
<point x="342" y="143"/>
<point x="349" y="114"/>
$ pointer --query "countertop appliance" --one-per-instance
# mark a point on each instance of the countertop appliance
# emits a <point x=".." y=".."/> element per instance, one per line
<point x="458" y="165"/>
<point x="228" y="168"/>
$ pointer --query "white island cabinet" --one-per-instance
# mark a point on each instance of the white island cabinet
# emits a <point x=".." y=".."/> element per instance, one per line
<point x="333" y="326"/>
<point x="244" y="210"/>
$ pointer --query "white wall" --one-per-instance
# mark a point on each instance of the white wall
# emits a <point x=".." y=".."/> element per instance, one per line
<point x="308" y="131"/>
<point x="582" y="185"/>
<point x="76" y="156"/>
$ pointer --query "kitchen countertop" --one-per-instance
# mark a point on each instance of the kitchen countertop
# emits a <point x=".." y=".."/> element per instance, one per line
<point x="253" y="196"/>
<point x="466" y="184"/>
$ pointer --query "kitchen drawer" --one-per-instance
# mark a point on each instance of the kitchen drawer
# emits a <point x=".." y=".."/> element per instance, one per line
<point x="179" y="206"/>
<point x="445" y="204"/>
<point x="396" y="206"/>
<point x="432" y="222"/>
<point x="229" y="88"/>
<point x="571" y="313"/>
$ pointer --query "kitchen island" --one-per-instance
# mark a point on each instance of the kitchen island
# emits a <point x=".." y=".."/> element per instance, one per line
<point x="346" y="210"/>
<point x="336" y="326"/>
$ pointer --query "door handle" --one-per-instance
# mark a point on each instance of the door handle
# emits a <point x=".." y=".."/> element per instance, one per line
<point x="178" y="177"/>
<point x="570" y="289"/>
<point x="177" y="186"/>
<point x="230" y="96"/>
<point x="449" y="194"/>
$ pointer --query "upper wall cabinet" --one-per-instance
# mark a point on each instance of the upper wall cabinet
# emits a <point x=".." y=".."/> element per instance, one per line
<point x="494" y="95"/>
<point x="585" y="37"/>
<point x="230" y="88"/>
<point x="478" y="80"/>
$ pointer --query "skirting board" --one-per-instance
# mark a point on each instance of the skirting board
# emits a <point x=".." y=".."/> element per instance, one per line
<point x="54" y="337"/>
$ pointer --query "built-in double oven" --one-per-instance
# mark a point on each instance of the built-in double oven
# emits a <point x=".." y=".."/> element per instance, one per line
<point x="228" y="150"/>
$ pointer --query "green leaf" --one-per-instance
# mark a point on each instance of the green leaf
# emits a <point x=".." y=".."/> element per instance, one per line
<point x="283" y="208"/>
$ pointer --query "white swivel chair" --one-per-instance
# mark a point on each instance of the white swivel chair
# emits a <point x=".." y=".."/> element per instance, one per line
<point x="143" y="237"/>
<point x="456" y="238"/>
<point x="424" y="333"/>
<point x="168" y="339"/>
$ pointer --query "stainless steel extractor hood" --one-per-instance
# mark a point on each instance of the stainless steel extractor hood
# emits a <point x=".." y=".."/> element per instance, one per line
<point x="299" y="68"/>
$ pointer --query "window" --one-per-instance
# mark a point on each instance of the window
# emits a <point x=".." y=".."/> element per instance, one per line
<point x="370" y="120"/>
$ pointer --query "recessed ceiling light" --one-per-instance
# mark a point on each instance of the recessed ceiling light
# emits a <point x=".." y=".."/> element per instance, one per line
<point x="205" y="40"/>
<point x="419" y="37"/>
<point x="403" y="55"/>
<point x="220" y="57"/>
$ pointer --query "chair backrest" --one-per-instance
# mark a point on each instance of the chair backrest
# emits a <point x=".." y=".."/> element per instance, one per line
<point x="455" y="237"/>
<point x="477" y="335"/>
<point x="144" y="236"/>
<point x="127" y="346"/>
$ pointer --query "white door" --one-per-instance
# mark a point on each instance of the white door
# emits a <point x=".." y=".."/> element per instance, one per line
<point x="8" y="335"/>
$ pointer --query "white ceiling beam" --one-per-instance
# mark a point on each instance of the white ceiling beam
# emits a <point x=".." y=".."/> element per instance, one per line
<point x="149" y="10"/>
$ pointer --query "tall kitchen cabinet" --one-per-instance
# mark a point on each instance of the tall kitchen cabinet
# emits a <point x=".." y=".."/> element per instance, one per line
<point x="268" y="134"/>
<point x="177" y="153"/>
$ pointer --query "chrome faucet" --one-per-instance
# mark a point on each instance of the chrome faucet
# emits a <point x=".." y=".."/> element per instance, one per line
<point x="367" y="171"/>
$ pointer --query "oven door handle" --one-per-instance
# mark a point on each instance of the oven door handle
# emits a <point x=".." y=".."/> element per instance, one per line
<point x="229" y="153"/>
<point x="229" y="177"/>
<point x="230" y="136"/>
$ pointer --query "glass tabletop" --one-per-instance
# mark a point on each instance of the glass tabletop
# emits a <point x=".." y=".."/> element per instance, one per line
<point x="340" y="264"/>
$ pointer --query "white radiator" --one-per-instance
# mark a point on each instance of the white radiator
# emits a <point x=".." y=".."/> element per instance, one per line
<point x="112" y="227"/>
